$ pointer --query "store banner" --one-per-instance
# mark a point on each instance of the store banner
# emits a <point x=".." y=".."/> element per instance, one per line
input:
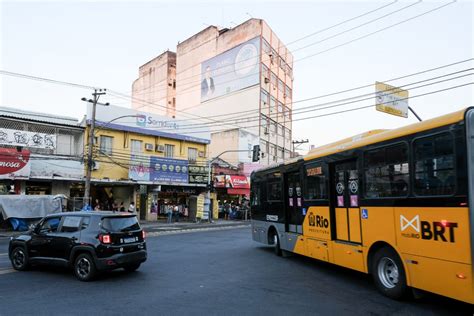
<point x="231" y="181"/>
<point x="168" y="170"/>
<point x="14" y="163"/>
<point x="139" y="169"/>
<point x="239" y="182"/>
<point x="198" y="174"/>
<point x="14" y="137"/>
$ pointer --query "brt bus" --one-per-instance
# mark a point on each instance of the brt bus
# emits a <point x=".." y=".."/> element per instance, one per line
<point x="398" y="204"/>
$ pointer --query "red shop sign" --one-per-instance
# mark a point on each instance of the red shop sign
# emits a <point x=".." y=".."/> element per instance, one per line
<point x="12" y="160"/>
<point x="239" y="182"/>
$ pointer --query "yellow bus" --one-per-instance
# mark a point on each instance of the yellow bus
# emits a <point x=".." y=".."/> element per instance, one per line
<point x="397" y="204"/>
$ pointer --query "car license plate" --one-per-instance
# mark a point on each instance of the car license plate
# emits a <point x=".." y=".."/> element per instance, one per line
<point x="128" y="240"/>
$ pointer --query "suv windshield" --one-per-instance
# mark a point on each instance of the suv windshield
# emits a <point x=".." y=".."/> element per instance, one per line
<point x="120" y="224"/>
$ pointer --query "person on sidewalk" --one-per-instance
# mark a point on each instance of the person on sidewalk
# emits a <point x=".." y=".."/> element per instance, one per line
<point x="131" y="207"/>
<point x="176" y="212"/>
<point x="169" y="212"/>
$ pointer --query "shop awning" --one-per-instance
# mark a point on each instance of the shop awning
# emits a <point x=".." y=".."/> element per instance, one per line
<point x="238" y="191"/>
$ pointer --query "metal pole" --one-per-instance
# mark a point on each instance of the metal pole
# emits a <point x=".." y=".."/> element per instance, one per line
<point x="89" y="150"/>
<point x="414" y="113"/>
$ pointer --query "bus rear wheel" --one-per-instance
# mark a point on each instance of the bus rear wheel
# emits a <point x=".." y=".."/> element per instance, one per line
<point x="389" y="274"/>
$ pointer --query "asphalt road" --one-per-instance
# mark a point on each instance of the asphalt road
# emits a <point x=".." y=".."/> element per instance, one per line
<point x="213" y="273"/>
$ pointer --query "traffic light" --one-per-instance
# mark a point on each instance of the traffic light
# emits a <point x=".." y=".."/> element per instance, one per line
<point x="256" y="153"/>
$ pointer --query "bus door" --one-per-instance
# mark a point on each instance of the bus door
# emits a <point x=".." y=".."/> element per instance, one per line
<point x="294" y="203"/>
<point x="346" y="202"/>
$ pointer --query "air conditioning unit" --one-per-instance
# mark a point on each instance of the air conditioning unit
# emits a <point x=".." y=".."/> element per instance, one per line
<point x="95" y="165"/>
<point x="160" y="148"/>
<point x="267" y="80"/>
<point x="284" y="95"/>
<point x="201" y="154"/>
<point x="265" y="130"/>
<point x="148" y="146"/>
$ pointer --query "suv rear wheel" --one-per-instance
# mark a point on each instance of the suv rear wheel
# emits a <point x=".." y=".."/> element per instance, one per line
<point x="19" y="259"/>
<point x="84" y="267"/>
<point x="131" y="267"/>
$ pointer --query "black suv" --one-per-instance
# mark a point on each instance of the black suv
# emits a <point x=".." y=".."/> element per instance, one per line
<point x="86" y="241"/>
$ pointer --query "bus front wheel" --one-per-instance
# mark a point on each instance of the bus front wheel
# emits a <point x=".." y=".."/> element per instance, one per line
<point x="276" y="244"/>
<point x="389" y="274"/>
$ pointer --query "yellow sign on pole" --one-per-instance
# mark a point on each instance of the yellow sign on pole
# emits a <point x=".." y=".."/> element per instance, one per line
<point x="391" y="100"/>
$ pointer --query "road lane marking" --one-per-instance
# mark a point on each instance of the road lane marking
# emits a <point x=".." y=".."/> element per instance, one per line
<point x="3" y="254"/>
<point x="7" y="270"/>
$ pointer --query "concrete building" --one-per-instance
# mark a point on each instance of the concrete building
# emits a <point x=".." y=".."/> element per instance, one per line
<point x="235" y="78"/>
<point x="40" y="154"/>
<point x="135" y="161"/>
<point x="155" y="89"/>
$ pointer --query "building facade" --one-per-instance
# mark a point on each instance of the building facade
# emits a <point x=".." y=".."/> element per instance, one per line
<point x="155" y="89"/>
<point x="134" y="161"/>
<point x="236" y="78"/>
<point x="40" y="154"/>
<point x="246" y="69"/>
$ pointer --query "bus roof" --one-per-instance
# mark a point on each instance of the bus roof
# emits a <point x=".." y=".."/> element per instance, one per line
<point x="377" y="136"/>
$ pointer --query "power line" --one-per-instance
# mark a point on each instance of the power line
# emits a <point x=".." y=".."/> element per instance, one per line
<point x="334" y="113"/>
<point x="346" y="90"/>
<point x="322" y="106"/>
<point x="29" y="77"/>
<point x="337" y="46"/>
<point x="295" y="41"/>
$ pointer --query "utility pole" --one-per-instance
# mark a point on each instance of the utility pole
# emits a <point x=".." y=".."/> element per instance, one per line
<point x="97" y="93"/>
<point x="298" y="142"/>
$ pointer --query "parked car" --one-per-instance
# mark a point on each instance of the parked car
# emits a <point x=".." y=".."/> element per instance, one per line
<point x="89" y="242"/>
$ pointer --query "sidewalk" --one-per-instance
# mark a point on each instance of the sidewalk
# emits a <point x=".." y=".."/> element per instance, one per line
<point x="160" y="227"/>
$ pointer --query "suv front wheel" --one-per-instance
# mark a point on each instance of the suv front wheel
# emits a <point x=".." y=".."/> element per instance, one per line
<point x="19" y="259"/>
<point x="84" y="267"/>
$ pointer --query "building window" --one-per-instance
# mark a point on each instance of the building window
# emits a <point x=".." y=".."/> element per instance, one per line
<point x="136" y="146"/>
<point x="266" y="47"/>
<point x="174" y="103"/>
<point x="264" y="98"/>
<point x="434" y="165"/>
<point x="287" y="92"/>
<point x="273" y="56"/>
<point x="192" y="154"/>
<point x="174" y="83"/>
<point x="273" y="126"/>
<point x="265" y="71"/>
<point x="281" y="63"/>
<point x="280" y="107"/>
<point x="273" y="79"/>
<point x="281" y="86"/>
<point x="264" y="121"/>
<point x="280" y="130"/>
<point x="274" y="190"/>
<point x="280" y="152"/>
<point x="387" y="172"/>
<point x="272" y="105"/>
<point x="288" y="134"/>
<point x="106" y="144"/>
<point x="169" y="151"/>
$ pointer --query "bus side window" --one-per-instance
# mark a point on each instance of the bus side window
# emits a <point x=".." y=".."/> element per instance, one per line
<point x="316" y="186"/>
<point x="274" y="190"/>
<point x="255" y="194"/>
<point x="434" y="165"/>
<point x="387" y="172"/>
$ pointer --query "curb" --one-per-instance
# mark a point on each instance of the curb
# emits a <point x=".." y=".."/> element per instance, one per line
<point x="193" y="230"/>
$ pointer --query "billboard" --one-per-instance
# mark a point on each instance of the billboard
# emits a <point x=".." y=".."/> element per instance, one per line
<point x="139" y="169"/>
<point x="233" y="70"/>
<point x="391" y="100"/>
<point x="14" y="137"/>
<point x="168" y="170"/>
<point x="198" y="174"/>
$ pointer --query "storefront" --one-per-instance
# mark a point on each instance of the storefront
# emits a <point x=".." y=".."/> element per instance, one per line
<point x="232" y="188"/>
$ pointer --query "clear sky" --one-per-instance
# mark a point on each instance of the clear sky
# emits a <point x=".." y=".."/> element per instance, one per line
<point x="103" y="43"/>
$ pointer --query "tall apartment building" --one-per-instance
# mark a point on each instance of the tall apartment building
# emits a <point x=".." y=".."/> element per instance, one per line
<point x="239" y="78"/>
<point x="155" y="89"/>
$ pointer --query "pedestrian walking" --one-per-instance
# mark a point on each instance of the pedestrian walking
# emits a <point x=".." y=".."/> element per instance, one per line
<point x="176" y="212"/>
<point x="169" y="212"/>
<point x="131" y="207"/>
